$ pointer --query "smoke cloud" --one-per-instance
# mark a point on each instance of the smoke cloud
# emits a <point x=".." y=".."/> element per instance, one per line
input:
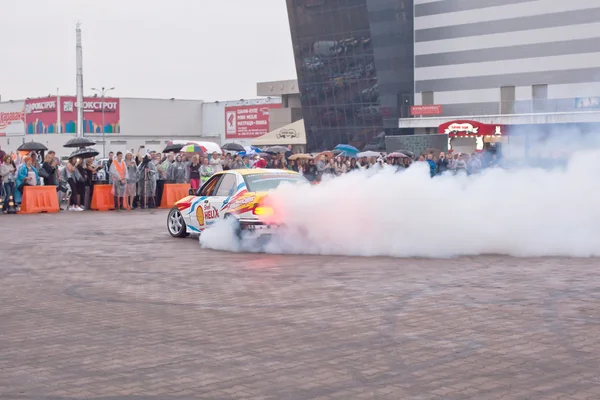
<point x="522" y="212"/>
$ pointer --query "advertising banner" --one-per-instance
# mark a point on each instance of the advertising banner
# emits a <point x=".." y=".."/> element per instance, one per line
<point x="92" y="115"/>
<point x="433" y="109"/>
<point x="248" y="121"/>
<point x="469" y="128"/>
<point x="42" y="115"/>
<point x="12" y="118"/>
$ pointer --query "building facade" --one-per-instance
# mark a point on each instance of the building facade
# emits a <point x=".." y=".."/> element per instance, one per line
<point x="129" y="123"/>
<point x="354" y="60"/>
<point x="507" y="56"/>
<point x="525" y="70"/>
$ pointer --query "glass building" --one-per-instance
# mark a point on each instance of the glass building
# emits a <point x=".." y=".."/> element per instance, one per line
<point x="355" y="64"/>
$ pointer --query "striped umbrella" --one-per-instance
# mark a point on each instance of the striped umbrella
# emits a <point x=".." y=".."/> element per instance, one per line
<point x="193" y="148"/>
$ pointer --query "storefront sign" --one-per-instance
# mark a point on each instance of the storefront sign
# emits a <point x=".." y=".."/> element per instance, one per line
<point x="12" y="119"/>
<point x="432" y="109"/>
<point x="247" y="121"/>
<point x="469" y="128"/>
<point x="92" y="115"/>
<point x="41" y="115"/>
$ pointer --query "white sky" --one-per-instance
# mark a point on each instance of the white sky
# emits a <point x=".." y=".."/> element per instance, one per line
<point x="192" y="49"/>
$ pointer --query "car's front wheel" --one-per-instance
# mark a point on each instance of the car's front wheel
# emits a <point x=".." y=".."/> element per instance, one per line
<point x="175" y="224"/>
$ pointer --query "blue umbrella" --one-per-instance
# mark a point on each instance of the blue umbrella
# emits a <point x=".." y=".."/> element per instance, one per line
<point x="346" y="148"/>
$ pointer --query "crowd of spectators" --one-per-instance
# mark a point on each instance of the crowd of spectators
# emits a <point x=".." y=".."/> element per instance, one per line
<point x="137" y="179"/>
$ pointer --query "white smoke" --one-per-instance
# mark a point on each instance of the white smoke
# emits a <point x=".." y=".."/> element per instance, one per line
<point x="519" y="212"/>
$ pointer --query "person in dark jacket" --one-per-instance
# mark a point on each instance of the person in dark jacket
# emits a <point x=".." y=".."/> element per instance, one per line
<point x="442" y="164"/>
<point x="50" y="168"/>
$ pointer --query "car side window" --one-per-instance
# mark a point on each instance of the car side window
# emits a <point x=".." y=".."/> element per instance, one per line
<point x="227" y="185"/>
<point x="208" y="189"/>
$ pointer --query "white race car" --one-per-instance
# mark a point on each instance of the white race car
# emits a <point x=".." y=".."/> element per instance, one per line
<point x="239" y="194"/>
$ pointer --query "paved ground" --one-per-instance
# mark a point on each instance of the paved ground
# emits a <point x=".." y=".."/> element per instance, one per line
<point x="108" y="306"/>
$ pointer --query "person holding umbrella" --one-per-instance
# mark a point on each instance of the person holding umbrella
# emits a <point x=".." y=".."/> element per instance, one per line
<point x="118" y="172"/>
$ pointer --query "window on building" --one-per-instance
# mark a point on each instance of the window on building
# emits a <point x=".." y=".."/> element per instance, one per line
<point x="427" y="98"/>
<point x="507" y="100"/>
<point x="539" y="95"/>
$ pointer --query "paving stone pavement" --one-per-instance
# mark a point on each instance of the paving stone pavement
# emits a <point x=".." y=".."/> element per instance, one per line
<point x="107" y="306"/>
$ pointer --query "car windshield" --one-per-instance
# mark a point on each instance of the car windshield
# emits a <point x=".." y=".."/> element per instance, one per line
<point x="266" y="182"/>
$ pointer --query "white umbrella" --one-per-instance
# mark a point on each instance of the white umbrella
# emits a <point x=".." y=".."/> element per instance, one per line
<point x="368" y="154"/>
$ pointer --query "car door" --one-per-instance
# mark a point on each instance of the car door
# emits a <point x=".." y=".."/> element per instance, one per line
<point x="201" y="205"/>
<point x="225" y="189"/>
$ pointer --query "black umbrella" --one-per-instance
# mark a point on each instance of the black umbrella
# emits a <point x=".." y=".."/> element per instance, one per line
<point x="79" y="142"/>
<point x="276" y="149"/>
<point x="84" y="153"/>
<point x="175" y="148"/>
<point x="233" y="147"/>
<point x="32" y="146"/>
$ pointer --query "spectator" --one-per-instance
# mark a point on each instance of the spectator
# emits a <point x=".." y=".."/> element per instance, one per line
<point x="71" y="175"/>
<point x="177" y="171"/>
<point x="131" y="178"/>
<point x="111" y="155"/>
<point x="8" y="176"/>
<point x="118" y="173"/>
<point x="442" y="163"/>
<point x="238" y="163"/>
<point x="27" y="175"/>
<point x="216" y="163"/>
<point x="48" y="170"/>
<point x="432" y="164"/>
<point x="206" y="170"/>
<point x="195" y="173"/>
<point x="147" y="182"/>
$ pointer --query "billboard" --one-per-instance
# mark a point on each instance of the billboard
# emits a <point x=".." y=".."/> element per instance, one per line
<point x="433" y="109"/>
<point x="12" y="118"/>
<point x="249" y="121"/>
<point x="92" y="115"/>
<point x="42" y="115"/>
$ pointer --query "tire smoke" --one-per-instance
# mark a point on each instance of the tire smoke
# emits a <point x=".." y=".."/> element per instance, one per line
<point x="525" y="212"/>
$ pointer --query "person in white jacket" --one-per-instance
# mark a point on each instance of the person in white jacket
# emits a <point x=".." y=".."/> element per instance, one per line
<point x="216" y="163"/>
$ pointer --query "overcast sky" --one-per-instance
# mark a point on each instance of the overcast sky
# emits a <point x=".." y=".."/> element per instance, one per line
<point x="193" y="49"/>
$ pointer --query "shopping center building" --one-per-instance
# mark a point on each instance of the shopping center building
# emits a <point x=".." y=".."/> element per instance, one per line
<point x="404" y="67"/>
<point x="125" y="124"/>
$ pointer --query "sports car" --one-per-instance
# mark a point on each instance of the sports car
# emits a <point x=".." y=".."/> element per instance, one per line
<point x="239" y="194"/>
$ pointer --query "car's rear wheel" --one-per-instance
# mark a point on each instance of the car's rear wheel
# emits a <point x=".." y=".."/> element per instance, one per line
<point x="175" y="224"/>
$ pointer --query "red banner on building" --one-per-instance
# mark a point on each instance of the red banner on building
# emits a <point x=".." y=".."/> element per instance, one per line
<point x="92" y="115"/>
<point x="12" y="119"/>
<point x="247" y="121"/>
<point x="432" y="109"/>
<point x="469" y="128"/>
<point x="41" y="115"/>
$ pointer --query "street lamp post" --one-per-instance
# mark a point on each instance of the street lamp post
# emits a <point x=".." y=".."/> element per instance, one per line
<point x="103" y="92"/>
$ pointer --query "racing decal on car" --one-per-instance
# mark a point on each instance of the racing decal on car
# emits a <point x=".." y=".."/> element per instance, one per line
<point x="200" y="216"/>
<point x="196" y="204"/>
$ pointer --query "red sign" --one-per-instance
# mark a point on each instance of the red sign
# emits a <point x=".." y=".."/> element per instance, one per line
<point x="12" y="121"/>
<point x="469" y="128"/>
<point x="41" y="115"/>
<point x="92" y="115"/>
<point x="247" y="121"/>
<point x="432" y="109"/>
